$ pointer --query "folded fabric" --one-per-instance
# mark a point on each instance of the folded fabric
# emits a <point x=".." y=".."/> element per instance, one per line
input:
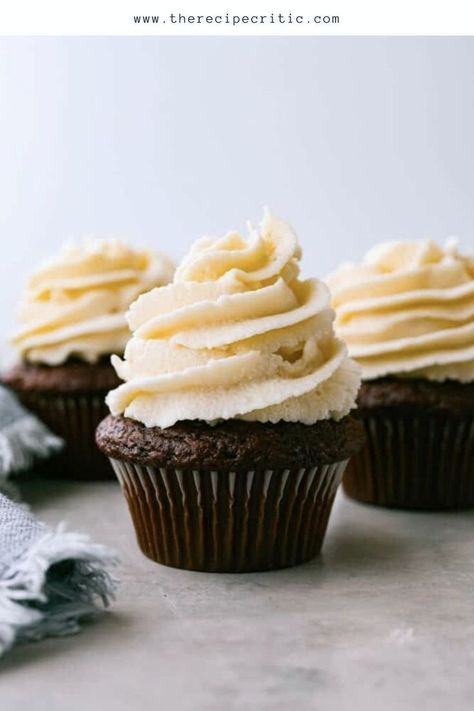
<point x="23" y="438"/>
<point x="50" y="580"/>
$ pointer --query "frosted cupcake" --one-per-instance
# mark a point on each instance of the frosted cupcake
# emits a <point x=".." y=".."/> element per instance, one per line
<point x="231" y="432"/>
<point x="72" y="318"/>
<point x="407" y="315"/>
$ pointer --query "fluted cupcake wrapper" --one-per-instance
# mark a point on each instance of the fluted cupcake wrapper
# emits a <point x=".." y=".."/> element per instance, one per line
<point x="75" y="419"/>
<point x="422" y="462"/>
<point x="220" y="521"/>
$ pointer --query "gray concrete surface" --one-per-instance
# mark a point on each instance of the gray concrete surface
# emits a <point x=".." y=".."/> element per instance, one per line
<point x="381" y="620"/>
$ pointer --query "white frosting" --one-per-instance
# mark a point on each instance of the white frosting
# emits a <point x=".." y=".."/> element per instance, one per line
<point x="408" y="310"/>
<point x="237" y="335"/>
<point x="75" y="303"/>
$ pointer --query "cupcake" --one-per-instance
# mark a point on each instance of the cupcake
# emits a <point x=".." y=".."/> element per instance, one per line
<point x="231" y="431"/>
<point x="72" y="318"/>
<point x="407" y="316"/>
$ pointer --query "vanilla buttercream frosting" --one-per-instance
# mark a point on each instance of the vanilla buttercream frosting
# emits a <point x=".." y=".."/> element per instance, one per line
<point x="408" y="310"/>
<point x="237" y="335"/>
<point x="75" y="303"/>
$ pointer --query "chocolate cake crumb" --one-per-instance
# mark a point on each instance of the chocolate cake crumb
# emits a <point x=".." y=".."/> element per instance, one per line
<point x="231" y="445"/>
<point x="72" y="377"/>
<point x="417" y="396"/>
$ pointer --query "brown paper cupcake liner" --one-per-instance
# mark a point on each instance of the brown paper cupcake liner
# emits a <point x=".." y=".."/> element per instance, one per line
<point x="75" y="419"/>
<point x="414" y="462"/>
<point x="219" y="521"/>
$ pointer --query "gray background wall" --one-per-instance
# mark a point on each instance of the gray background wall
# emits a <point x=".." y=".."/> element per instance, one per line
<point x="353" y="140"/>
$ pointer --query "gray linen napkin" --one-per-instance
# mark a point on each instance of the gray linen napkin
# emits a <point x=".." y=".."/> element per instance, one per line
<point x="50" y="580"/>
<point x="23" y="438"/>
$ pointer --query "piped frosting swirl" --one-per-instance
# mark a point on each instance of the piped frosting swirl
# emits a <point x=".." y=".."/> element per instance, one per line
<point x="237" y="335"/>
<point x="408" y="310"/>
<point x="75" y="303"/>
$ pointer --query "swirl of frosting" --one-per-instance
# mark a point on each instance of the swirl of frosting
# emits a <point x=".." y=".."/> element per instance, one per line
<point x="237" y="335"/>
<point x="408" y="310"/>
<point x="75" y="303"/>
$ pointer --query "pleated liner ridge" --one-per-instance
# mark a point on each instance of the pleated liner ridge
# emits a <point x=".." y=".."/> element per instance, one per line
<point x="414" y="462"/>
<point x="75" y="419"/>
<point x="219" y="521"/>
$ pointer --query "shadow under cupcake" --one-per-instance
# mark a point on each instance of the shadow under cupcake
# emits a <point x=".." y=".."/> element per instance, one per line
<point x="231" y="431"/>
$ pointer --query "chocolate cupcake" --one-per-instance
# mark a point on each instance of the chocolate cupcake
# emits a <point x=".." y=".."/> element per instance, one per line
<point x="407" y="315"/>
<point x="232" y="430"/>
<point x="72" y="318"/>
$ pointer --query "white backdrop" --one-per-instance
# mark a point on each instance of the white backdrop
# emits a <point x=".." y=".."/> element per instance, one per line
<point x="163" y="140"/>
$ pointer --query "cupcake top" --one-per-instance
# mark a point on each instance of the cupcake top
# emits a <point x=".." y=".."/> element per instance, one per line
<point x="75" y="303"/>
<point x="408" y="310"/>
<point x="238" y="335"/>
